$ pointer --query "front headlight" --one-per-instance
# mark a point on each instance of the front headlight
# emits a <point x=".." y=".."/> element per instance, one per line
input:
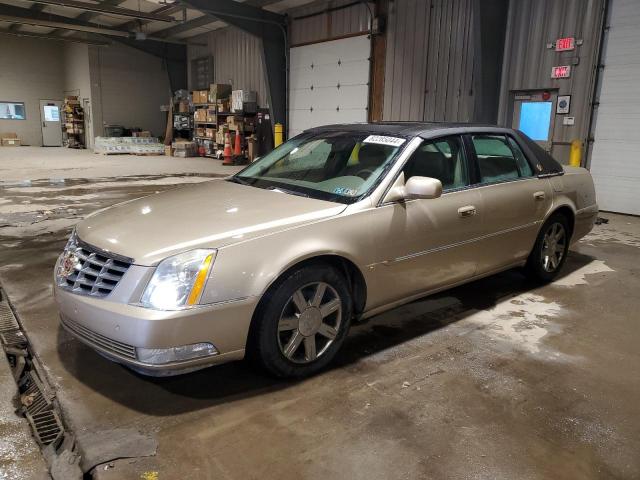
<point x="179" y="281"/>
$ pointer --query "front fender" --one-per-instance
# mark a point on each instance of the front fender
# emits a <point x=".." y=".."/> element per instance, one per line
<point x="248" y="269"/>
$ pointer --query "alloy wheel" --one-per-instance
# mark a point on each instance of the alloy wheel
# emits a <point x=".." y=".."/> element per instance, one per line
<point x="553" y="247"/>
<point x="309" y="322"/>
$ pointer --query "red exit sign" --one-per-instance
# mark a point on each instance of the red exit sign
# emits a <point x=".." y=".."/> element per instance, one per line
<point x="563" y="71"/>
<point x="564" y="44"/>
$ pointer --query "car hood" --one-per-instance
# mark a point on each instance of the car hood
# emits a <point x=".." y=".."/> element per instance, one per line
<point x="210" y="214"/>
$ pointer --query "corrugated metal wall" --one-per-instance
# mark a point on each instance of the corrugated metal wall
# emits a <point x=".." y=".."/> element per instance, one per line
<point x="429" y="64"/>
<point x="532" y="24"/>
<point x="330" y="24"/>
<point x="237" y="59"/>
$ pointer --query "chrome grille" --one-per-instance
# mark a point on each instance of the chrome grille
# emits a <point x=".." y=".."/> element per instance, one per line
<point x="98" y="340"/>
<point x="87" y="270"/>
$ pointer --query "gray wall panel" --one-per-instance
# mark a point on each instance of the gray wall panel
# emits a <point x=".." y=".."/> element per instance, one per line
<point x="528" y="63"/>
<point x="429" y="65"/>
<point x="237" y="59"/>
<point x="327" y="25"/>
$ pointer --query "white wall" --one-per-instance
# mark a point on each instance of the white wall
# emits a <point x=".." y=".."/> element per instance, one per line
<point x="30" y="70"/>
<point x="127" y="88"/>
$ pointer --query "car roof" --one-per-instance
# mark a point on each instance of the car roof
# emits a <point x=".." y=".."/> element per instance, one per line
<point x="412" y="129"/>
<point x="545" y="163"/>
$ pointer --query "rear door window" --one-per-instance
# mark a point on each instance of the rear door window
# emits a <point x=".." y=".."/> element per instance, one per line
<point x="499" y="159"/>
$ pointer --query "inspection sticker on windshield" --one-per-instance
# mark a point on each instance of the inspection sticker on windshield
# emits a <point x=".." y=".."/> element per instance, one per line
<point x="351" y="192"/>
<point x="382" y="140"/>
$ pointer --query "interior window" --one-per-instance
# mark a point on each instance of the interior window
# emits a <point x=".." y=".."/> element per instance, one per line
<point x="12" y="111"/>
<point x="442" y="159"/>
<point x="499" y="159"/>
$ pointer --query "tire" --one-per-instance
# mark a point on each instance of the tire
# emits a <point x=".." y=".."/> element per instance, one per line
<point x="550" y="250"/>
<point x="302" y="322"/>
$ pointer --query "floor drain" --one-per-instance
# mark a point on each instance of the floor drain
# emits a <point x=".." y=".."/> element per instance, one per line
<point x="47" y="427"/>
<point x="7" y="319"/>
<point x="36" y="399"/>
<point x="13" y="338"/>
<point x="32" y="394"/>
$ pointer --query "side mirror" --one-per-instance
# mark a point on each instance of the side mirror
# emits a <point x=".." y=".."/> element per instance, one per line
<point x="422" y="187"/>
<point x="416" y="187"/>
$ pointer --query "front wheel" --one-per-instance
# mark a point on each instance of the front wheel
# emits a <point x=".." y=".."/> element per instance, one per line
<point x="303" y="322"/>
<point x="550" y="250"/>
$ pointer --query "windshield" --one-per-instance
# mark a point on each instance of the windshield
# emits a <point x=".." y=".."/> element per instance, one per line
<point x="334" y="166"/>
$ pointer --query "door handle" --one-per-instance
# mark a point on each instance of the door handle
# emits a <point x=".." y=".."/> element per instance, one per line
<point x="539" y="196"/>
<point x="467" y="211"/>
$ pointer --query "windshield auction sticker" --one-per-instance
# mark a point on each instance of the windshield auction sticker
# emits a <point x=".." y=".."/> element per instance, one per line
<point x="382" y="140"/>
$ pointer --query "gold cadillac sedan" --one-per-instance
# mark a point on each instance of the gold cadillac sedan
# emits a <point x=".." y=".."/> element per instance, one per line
<point x="340" y="223"/>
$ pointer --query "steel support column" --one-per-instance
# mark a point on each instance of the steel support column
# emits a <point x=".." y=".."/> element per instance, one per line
<point x="174" y="56"/>
<point x="490" y="24"/>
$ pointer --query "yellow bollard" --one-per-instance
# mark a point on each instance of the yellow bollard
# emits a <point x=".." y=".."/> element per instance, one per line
<point x="279" y="131"/>
<point x="575" y="156"/>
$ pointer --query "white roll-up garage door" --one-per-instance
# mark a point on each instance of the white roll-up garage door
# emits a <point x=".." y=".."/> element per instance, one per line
<point x="615" y="160"/>
<point x="328" y="83"/>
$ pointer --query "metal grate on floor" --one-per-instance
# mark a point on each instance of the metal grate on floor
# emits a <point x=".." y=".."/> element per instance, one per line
<point x="13" y="338"/>
<point x="7" y="319"/>
<point x="47" y="427"/>
<point x="33" y="395"/>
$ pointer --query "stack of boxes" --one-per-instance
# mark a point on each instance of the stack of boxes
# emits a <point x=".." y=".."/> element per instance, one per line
<point x="73" y="125"/>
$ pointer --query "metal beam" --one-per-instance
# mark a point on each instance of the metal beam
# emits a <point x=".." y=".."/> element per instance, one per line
<point x="28" y="17"/>
<point x="89" y="41"/>
<point x="174" y="56"/>
<point x="106" y="9"/>
<point x="271" y="28"/>
<point x="62" y="24"/>
<point x="184" y="27"/>
<point x="165" y="9"/>
<point x="86" y="16"/>
<point x="203" y="21"/>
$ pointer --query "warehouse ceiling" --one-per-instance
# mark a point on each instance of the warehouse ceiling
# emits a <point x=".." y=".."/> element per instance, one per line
<point x="100" y="21"/>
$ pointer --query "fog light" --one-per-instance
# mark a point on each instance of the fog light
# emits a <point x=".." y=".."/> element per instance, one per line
<point x="158" y="356"/>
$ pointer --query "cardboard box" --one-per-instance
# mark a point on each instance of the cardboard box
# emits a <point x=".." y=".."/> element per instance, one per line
<point x="168" y="151"/>
<point x="240" y="97"/>
<point x="200" y="96"/>
<point x="220" y="133"/>
<point x="200" y="132"/>
<point x="144" y="134"/>
<point x="183" y="106"/>
<point x="211" y="115"/>
<point x="252" y="147"/>
<point x="210" y="132"/>
<point x="200" y="115"/>
<point x="10" y="140"/>
<point x="223" y="106"/>
<point x="219" y="91"/>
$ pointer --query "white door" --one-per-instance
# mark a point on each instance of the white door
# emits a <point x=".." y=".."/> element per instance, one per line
<point x="329" y="83"/>
<point x="51" y="114"/>
<point x="614" y="158"/>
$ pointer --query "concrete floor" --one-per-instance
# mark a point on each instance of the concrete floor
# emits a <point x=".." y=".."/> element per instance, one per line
<point x="498" y="379"/>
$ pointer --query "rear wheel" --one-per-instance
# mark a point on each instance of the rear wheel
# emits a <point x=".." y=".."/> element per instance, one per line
<point x="303" y="322"/>
<point x="550" y="250"/>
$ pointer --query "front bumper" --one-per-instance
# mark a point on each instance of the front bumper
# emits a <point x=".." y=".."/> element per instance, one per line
<point x="116" y="329"/>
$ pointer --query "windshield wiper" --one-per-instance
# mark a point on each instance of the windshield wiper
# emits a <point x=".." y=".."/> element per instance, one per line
<point x="290" y="192"/>
<point x="238" y="180"/>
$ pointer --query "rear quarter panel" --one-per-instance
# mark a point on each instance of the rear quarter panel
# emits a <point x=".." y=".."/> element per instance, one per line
<point x="575" y="189"/>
